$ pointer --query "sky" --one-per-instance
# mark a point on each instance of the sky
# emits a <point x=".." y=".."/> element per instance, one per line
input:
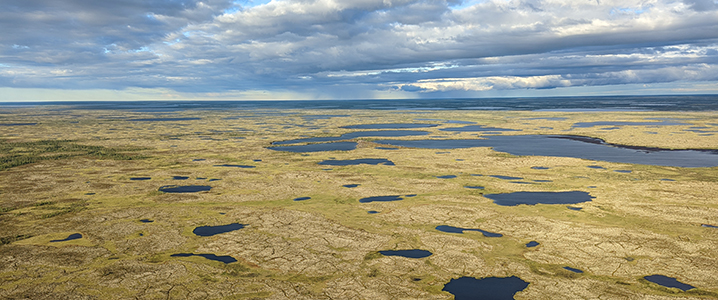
<point x="354" y="49"/>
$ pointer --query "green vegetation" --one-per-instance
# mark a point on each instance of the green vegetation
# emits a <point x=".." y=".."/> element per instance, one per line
<point x="22" y="153"/>
<point x="9" y="239"/>
<point x="327" y="246"/>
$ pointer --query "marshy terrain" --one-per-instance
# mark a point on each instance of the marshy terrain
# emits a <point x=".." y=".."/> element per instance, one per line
<point x="357" y="204"/>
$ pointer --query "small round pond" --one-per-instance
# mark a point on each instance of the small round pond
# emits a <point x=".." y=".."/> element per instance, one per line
<point x="532" y="244"/>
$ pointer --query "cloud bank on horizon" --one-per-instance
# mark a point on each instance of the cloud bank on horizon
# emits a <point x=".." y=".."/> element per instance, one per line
<point x="356" y="48"/>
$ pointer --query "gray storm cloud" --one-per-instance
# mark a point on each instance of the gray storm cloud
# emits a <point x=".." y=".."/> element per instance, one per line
<point x="415" y="46"/>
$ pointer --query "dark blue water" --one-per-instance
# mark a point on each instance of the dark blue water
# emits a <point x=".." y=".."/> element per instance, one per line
<point x="323" y="117"/>
<point x="350" y="185"/>
<point x="380" y="199"/>
<point x="573" y="270"/>
<point x="446" y="176"/>
<point x="164" y="119"/>
<point x="214" y="230"/>
<point x="618" y="123"/>
<point x="665" y="103"/>
<point x="548" y="119"/>
<point x="184" y="188"/>
<point x="573" y="146"/>
<point x="146" y="221"/>
<point x="354" y="162"/>
<point x="446" y="121"/>
<point x="302" y="198"/>
<point x="352" y="135"/>
<point x="224" y="259"/>
<point x="73" y="236"/>
<point x="338" y="146"/>
<point x="390" y="126"/>
<point x="709" y="226"/>
<point x="475" y="128"/>
<point x="596" y="167"/>
<point x="490" y="288"/>
<point x="17" y="124"/>
<point x="505" y="177"/>
<point x="623" y="171"/>
<point x="180" y="177"/>
<point x="476" y="187"/>
<point x="236" y="166"/>
<point x="452" y="229"/>
<point x="140" y="178"/>
<point x="199" y="159"/>
<point x="540" y="168"/>
<point x="533" y="198"/>
<point x="413" y="253"/>
<point x="668" y="282"/>
<point x="372" y="212"/>
<point x="532" y="244"/>
<point x="574" y="208"/>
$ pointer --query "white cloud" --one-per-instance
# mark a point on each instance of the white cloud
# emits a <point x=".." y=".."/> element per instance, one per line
<point x="311" y="46"/>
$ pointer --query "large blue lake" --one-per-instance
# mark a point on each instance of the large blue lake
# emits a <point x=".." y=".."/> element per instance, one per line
<point x="573" y="146"/>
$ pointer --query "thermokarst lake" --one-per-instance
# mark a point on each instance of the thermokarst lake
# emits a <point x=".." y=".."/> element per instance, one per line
<point x="455" y="199"/>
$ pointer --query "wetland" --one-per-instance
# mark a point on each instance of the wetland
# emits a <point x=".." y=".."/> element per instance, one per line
<point x="214" y="201"/>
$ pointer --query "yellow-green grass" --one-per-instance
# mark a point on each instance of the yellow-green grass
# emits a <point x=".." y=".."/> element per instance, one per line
<point x="326" y="246"/>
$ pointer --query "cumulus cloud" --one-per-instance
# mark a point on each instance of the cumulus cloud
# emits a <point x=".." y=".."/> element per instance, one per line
<point x="315" y="46"/>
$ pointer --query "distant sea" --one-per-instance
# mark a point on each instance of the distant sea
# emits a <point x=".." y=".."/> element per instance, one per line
<point x="606" y="103"/>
